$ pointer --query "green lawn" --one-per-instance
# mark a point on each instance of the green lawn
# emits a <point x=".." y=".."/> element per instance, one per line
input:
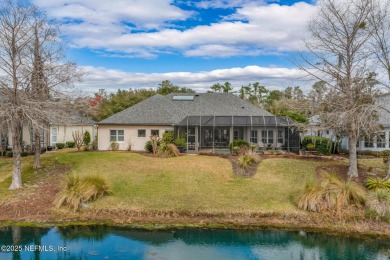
<point x="186" y="183"/>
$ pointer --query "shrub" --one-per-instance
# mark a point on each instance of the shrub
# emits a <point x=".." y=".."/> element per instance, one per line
<point x="70" y="144"/>
<point x="149" y="147"/>
<point x="87" y="138"/>
<point x="60" y="145"/>
<point x="379" y="202"/>
<point x="114" y="146"/>
<point x="244" y="161"/>
<point x="321" y="144"/>
<point x="310" y="146"/>
<point x="167" y="137"/>
<point x="43" y="150"/>
<point x="331" y="194"/>
<point x="376" y="183"/>
<point x="81" y="190"/>
<point x="180" y="142"/>
<point x="168" y="150"/>
<point x="23" y="154"/>
<point x="9" y="154"/>
<point x="237" y="144"/>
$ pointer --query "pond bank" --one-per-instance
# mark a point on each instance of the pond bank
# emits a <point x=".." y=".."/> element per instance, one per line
<point x="360" y="229"/>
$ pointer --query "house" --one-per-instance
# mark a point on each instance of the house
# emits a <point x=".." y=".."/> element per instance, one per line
<point x="56" y="132"/>
<point x="380" y="141"/>
<point x="207" y="122"/>
<point x="377" y="142"/>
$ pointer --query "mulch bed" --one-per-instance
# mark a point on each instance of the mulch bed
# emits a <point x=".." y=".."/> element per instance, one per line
<point x="35" y="201"/>
<point x="341" y="172"/>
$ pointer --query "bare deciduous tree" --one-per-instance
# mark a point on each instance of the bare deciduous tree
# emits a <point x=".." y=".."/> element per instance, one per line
<point x="78" y="138"/>
<point x="33" y="73"/>
<point x="339" y="54"/>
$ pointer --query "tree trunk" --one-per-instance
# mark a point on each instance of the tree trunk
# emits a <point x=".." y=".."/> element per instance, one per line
<point x="37" y="149"/>
<point x="388" y="168"/>
<point x="352" y="169"/>
<point x="17" y="149"/>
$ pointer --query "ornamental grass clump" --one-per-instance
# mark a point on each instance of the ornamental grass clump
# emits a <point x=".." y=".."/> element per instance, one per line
<point x="378" y="202"/>
<point x="82" y="190"/>
<point x="247" y="159"/>
<point x="168" y="150"/>
<point x="331" y="194"/>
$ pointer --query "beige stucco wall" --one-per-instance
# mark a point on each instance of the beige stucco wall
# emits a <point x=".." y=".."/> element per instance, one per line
<point x="64" y="133"/>
<point x="130" y="136"/>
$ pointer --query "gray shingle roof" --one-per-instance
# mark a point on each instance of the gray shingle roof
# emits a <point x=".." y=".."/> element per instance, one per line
<point x="156" y="110"/>
<point x="163" y="110"/>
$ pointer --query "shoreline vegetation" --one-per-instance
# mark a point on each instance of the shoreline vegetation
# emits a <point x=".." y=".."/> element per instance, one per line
<point x="182" y="192"/>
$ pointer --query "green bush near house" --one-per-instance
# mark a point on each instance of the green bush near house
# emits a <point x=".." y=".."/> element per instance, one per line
<point x="321" y="144"/>
<point x="87" y="138"/>
<point x="60" y="145"/>
<point x="238" y="143"/>
<point x="180" y="142"/>
<point x="149" y="147"/>
<point x="70" y="144"/>
<point x="168" y="137"/>
<point x="23" y="154"/>
<point x="9" y="154"/>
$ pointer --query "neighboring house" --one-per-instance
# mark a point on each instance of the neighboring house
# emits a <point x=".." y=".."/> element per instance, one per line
<point x="207" y="121"/>
<point x="57" y="132"/>
<point x="62" y="133"/>
<point x="314" y="128"/>
<point x="378" y="142"/>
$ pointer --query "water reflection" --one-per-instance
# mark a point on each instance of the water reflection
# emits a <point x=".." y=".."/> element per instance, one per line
<point x="102" y="242"/>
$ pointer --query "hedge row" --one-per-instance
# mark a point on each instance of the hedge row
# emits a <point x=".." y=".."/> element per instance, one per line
<point x="320" y="144"/>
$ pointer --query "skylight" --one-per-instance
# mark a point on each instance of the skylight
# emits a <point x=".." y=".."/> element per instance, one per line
<point x="183" y="98"/>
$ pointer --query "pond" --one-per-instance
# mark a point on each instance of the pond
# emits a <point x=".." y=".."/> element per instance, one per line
<point x="102" y="242"/>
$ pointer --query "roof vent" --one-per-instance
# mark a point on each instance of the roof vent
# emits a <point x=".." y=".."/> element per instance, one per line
<point x="183" y="98"/>
<point x="196" y="95"/>
<point x="242" y="107"/>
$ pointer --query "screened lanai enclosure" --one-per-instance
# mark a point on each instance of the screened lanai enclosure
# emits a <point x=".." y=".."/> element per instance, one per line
<point x="214" y="133"/>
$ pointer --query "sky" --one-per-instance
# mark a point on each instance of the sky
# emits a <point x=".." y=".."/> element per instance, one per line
<point x="122" y="44"/>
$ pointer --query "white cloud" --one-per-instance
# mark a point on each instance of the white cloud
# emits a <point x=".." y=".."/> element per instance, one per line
<point x="144" y="14"/>
<point x="252" y="30"/>
<point x="111" y="80"/>
<point x="226" y="3"/>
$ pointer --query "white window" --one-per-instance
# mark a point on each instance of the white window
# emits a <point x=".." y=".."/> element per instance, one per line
<point x="54" y="133"/>
<point x="253" y="138"/>
<point x="280" y="136"/>
<point x="155" y="132"/>
<point x="267" y="137"/>
<point x="141" y="133"/>
<point x="381" y="140"/>
<point x="117" y="135"/>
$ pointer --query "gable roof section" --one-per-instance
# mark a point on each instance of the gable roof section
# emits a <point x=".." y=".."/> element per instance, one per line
<point x="164" y="110"/>
<point x="155" y="110"/>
